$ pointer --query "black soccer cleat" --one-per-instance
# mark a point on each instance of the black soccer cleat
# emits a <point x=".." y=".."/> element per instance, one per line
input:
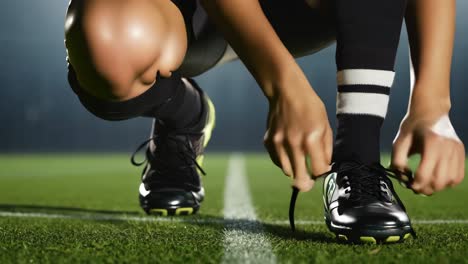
<point x="361" y="204"/>
<point x="171" y="182"/>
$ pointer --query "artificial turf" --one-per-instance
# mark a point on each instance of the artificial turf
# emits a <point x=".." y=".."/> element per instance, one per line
<point x="86" y="187"/>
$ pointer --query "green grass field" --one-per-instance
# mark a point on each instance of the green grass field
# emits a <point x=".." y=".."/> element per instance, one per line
<point x="83" y="208"/>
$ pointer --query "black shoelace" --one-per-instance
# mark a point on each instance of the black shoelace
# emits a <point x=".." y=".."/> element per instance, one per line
<point x="368" y="185"/>
<point x="185" y="152"/>
<point x="365" y="182"/>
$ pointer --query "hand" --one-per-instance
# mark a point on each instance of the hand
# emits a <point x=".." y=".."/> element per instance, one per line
<point x="442" y="153"/>
<point x="298" y="127"/>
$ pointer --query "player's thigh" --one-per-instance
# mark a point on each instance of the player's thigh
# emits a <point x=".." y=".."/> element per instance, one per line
<point x="117" y="47"/>
<point x="304" y="27"/>
<point x="206" y="45"/>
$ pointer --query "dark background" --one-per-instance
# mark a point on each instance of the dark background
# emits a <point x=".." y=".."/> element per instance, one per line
<point x="40" y="113"/>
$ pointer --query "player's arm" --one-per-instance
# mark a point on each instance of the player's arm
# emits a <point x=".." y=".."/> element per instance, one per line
<point x="426" y="128"/>
<point x="297" y="125"/>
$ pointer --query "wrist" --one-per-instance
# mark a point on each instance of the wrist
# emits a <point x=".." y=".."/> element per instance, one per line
<point x="288" y="84"/>
<point x="430" y="99"/>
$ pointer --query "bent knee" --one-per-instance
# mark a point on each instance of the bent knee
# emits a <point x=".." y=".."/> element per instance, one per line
<point x="117" y="47"/>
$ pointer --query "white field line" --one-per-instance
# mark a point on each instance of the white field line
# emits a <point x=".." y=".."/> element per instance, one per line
<point x="127" y="218"/>
<point x="244" y="238"/>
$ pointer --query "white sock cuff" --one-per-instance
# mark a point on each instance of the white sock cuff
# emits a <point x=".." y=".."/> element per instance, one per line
<point x="362" y="104"/>
<point x="366" y="77"/>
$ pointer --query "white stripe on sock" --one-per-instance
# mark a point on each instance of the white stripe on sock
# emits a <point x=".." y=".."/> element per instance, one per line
<point x="365" y="77"/>
<point x="362" y="103"/>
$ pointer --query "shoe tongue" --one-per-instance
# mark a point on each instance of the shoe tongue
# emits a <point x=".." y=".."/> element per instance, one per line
<point x="359" y="168"/>
<point x="349" y="165"/>
<point x="367" y="174"/>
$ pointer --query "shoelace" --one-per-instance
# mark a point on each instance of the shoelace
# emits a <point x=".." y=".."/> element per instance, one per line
<point x="365" y="182"/>
<point x="404" y="177"/>
<point x="189" y="157"/>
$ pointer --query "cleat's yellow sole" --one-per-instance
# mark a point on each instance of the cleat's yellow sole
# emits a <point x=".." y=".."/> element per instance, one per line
<point x="184" y="211"/>
<point x="371" y="239"/>
<point x="342" y="238"/>
<point x="368" y="239"/>
<point x="177" y="212"/>
<point x="392" y="239"/>
<point x="160" y="212"/>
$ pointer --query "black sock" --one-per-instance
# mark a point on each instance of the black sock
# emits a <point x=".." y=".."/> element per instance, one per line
<point x="358" y="137"/>
<point x="368" y="33"/>
<point x="182" y="110"/>
<point x="175" y="102"/>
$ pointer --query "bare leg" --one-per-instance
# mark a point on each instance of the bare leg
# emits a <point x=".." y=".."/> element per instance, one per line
<point x="117" y="47"/>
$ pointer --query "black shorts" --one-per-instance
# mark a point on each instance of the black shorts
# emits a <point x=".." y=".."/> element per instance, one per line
<point x="302" y="28"/>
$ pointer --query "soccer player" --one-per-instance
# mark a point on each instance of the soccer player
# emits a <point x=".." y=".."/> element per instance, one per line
<point x="135" y="58"/>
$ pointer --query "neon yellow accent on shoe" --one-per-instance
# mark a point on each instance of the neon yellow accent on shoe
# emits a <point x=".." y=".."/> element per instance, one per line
<point x="343" y="237"/>
<point x="367" y="239"/>
<point x="407" y="235"/>
<point x="162" y="212"/>
<point x="210" y="125"/>
<point x="391" y="239"/>
<point x="186" y="210"/>
<point x="200" y="160"/>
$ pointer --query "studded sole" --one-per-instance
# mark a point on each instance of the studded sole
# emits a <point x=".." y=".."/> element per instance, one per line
<point x="372" y="236"/>
<point x="371" y="239"/>
<point x="181" y="211"/>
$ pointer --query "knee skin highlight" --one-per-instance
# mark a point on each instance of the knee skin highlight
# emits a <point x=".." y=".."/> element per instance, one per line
<point x="117" y="47"/>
